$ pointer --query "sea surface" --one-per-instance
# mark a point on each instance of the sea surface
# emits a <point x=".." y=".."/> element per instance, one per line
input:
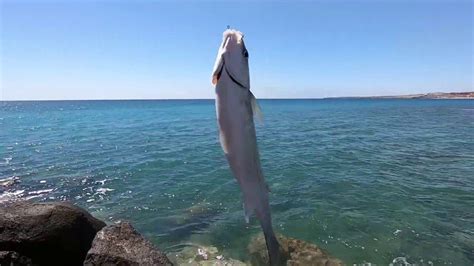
<point x="367" y="180"/>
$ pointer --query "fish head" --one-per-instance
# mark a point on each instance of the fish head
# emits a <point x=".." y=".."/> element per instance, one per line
<point x="233" y="58"/>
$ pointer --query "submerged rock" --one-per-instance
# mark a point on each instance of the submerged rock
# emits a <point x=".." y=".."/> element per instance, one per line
<point x="197" y="255"/>
<point x="56" y="233"/>
<point x="295" y="252"/>
<point x="121" y="244"/>
<point x="14" y="258"/>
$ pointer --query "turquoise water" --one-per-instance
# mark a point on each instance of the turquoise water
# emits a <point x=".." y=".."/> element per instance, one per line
<point x="368" y="180"/>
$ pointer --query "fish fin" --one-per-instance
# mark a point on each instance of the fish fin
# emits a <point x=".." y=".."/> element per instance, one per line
<point x="257" y="112"/>
<point x="247" y="213"/>
<point x="223" y="142"/>
<point x="268" y="187"/>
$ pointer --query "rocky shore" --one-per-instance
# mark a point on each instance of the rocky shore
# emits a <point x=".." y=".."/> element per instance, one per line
<point x="434" y="95"/>
<point x="60" y="233"/>
<point x="469" y="95"/>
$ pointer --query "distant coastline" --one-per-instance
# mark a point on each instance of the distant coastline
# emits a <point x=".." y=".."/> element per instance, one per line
<point x="431" y="95"/>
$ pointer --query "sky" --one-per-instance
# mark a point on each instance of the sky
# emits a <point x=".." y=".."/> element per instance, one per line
<point x="57" y="50"/>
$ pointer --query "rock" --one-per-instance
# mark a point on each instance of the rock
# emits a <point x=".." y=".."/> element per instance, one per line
<point x="49" y="233"/>
<point x="294" y="251"/>
<point x="12" y="258"/>
<point x="121" y="244"/>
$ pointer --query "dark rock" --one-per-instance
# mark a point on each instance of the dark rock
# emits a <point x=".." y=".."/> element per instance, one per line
<point x="56" y="233"/>
<point x="12" y="258"/>
<point x="294" y="251"/>
<point x="121" y="244"/>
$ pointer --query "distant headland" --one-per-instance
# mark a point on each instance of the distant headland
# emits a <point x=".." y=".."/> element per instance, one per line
<point x="431" y="95"/>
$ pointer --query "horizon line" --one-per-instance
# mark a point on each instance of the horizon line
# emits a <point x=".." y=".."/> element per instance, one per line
<point x="402" y="96"/>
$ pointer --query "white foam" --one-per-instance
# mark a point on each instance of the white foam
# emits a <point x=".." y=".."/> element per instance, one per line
<point x="103" y="190"/>
<point x="5" y="182"/>
<point x="11" y="196"/>
<point x="101" y="182"/>
<point x="202" y="253"/>
<point x="7" y="160"/>
<point x="400" y="261"/>
<point x="39" y="192"/>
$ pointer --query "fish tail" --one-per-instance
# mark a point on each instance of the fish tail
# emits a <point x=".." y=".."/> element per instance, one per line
<point x="273" y="247"/>
<point x="257" y="112"/>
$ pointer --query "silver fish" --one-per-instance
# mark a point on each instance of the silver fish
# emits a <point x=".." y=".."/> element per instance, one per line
<point x="235" y="107"/>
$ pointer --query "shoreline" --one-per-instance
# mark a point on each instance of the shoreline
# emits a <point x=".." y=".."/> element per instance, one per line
<point x="61" y="233"/>
<point x="469" y="95"/>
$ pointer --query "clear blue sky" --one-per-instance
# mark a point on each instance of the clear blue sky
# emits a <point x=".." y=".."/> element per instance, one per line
<point x="155" y="49"/>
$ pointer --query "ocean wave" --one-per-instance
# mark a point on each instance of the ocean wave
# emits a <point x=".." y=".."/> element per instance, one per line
<point x="9" y="181"/>
<point x="9" y="196"/>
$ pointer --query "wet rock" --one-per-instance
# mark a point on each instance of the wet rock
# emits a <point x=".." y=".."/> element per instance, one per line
<point x="121" y="244"/>
<point x="202" y="256"/>
<point x="56" y="233"/>
<point x="12" y="258"/>
<point x="294" y="251"/>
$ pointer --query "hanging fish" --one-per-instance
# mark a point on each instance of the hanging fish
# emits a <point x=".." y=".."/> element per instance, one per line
<point x="236" y="106"/>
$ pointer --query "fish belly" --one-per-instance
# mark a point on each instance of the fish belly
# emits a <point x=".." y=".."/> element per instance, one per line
<point x="239" y="142"/>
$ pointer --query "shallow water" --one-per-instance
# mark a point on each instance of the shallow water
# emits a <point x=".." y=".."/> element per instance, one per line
<point x="368" y="180"/>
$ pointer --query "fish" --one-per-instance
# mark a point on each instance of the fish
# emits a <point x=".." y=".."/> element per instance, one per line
<point x="235" y="108"/>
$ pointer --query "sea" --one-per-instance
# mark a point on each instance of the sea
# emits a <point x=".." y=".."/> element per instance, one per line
<point x="371" y="181"/>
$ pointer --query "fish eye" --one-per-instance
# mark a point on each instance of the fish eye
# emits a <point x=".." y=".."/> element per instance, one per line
<point x="246" y="54"/>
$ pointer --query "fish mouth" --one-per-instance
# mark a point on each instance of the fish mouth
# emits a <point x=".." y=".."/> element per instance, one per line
<point x="229" y="35"/>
